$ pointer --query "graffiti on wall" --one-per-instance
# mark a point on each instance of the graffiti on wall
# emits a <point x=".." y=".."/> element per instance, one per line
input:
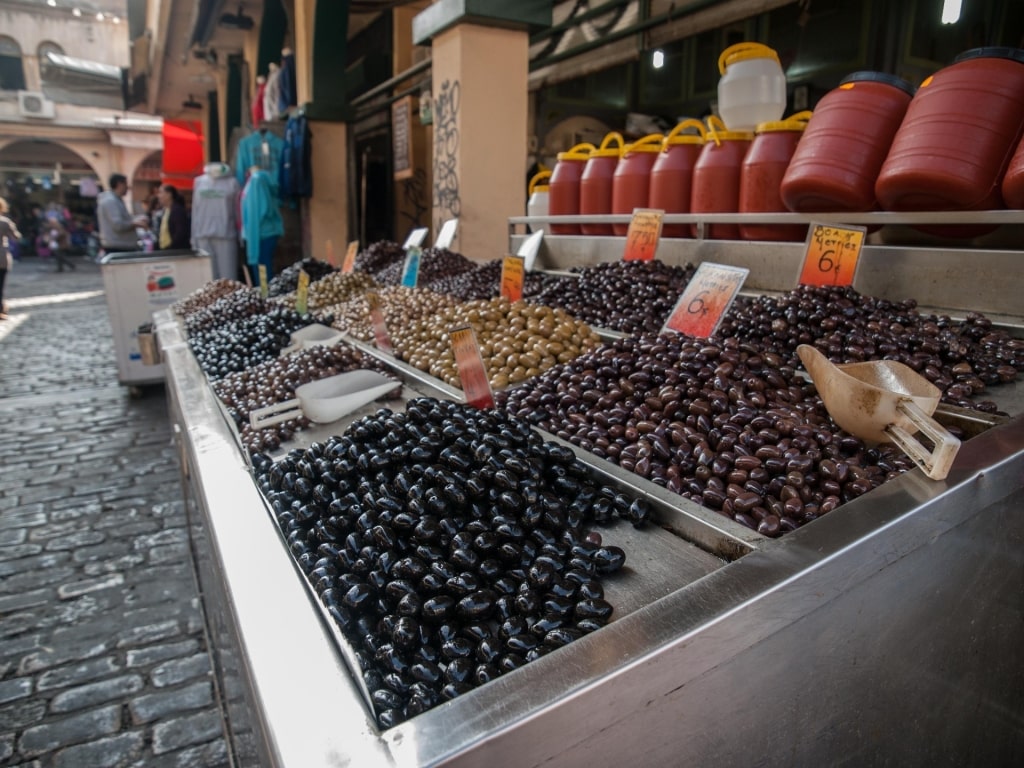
<point x="447" y="203"/>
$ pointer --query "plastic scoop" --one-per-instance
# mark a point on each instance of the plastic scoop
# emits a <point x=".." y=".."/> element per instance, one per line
<point x="884" y="401"/>
<point x="326" y="400"/>
<point x="311" y="336"/>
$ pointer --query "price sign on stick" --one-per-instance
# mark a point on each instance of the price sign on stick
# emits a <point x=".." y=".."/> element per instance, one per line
<point x="706" y="299"/>
<point x="447" y="234"/>
<point x="472" y="373"/>
<point x="350" y="257"/>
<point x="411" y="271"/>
<point x="329" y="251"/>
<point x="415" y="238"/>
<point x="530" y="248"/>
<point x="264" y="286"/>
<point x="643" y="234"/>
<point x="302" y="293"/>
<point x="832" y="254"/>
<point x="512" y="272"/>
<point x="380" y="328"/>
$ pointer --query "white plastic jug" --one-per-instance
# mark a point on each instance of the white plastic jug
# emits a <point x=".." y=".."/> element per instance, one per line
<point x="752" y="88"/>
<point x="537" y="205"/>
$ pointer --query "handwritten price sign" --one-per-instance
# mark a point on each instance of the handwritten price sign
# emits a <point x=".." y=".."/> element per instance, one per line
<point x="264" y="285"/>
<point x="706" y="299"/>
<point x="302" y="293"/>
<point x="380" y="328"/>
<point x="643" y="234"/>
<point x="350" y="257"/>
<point x="472" y="373"/>
<point x="512" y="271"/>
<point x="832" y="254"/>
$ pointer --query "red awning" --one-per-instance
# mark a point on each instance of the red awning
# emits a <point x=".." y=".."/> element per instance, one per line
<point x="183" y="152"/>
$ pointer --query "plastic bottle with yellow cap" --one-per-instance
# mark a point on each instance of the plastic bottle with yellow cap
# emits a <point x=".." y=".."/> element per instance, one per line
<point x="596" y="183"/>
<point x="564" y="187"/>
<point x="538" y="203"/>
<point x="761" y="177"/>
<point x="716" y="177"/>
<point x="752" y="89"/>
<point x="672" y="174"/>
<point x="631" y="183"/>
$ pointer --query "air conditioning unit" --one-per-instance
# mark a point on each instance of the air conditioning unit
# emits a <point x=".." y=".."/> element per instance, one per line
<point x="33" y="104"/>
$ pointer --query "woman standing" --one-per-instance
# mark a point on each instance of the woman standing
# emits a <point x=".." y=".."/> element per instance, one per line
<point x="175" y="232"/>
<point x="8" y="233"/>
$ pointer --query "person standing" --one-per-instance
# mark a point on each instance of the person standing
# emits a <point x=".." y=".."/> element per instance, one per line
<point x="8" y="234"/>
<point x="174" y="228"/>
<point x="215" y="219"/>
<point x="117" y="226"/>
<point x="59" y="240"/>
<point x="262" y="224"/>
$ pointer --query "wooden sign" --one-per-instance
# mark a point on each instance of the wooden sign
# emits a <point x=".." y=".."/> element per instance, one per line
<point x="512" y="274"/>
<point x="472" y="373"/>
<point x="350" y="257"/>
<point x="832" y="254"/>
<point x="706" y="299"/>
<point x="643" y="234"/>
<point x="401" y="138"/>
<point x="302" y="293"/>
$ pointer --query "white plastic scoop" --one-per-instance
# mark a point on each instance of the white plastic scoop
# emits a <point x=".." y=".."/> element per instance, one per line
<point x="326" y="400"/>
<point x="312" y="335"/>
<point x="884" y="401"/>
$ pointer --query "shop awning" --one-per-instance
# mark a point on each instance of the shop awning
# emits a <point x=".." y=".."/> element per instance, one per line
<point x="183" y="152"/>
<point x="83" y="82"/>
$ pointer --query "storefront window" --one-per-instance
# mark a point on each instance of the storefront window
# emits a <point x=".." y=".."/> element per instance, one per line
<point x="12" y="73"/>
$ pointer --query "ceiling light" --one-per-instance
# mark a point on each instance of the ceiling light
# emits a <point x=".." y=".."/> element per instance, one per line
<point x="116" y="19"/>
<point x="237" y="21"/>
<point x="99" y="16"/>
<point x="951" y="11"/>
<point x="191" y="103"/>
<point x="76" y="12"/>
<point x="52" y="3"/>
<point x="658" y="59"/>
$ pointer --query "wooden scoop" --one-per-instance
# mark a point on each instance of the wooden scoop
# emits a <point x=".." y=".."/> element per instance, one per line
<point x="884" y="401"/>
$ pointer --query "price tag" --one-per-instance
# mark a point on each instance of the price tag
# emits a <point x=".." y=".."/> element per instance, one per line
<point x="264" y="285"/>
<point x="512" y="273"/>
<point x="643" y="234"/>
<point x="832" y="254"/>
<point x="380" y="328"/>
<point x="472" y="373"/>
<point x="416" y="238"/>
<point x="530" y="248"/>
<point x="302" y="293"/>
<point x="411" y="271"/>
<point x="329" y="251"/>
<point x="706" y="299"/>
<point x="350" y="257"/>
<point x="447" y="234"/>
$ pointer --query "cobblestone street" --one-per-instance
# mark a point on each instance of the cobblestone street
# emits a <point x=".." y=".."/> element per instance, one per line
<point x="102" y="653"/>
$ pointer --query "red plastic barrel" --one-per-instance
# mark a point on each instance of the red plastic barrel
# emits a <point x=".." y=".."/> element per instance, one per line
<point x="761" y="175"/>
<point x="1013" y="181"/>
<point x="961" y="129"/>
<point x="838" y="158"/>
<point x="672" y="174"/>
<point x="564" y="187"/>
<point x="596" y="183"/>
<point x="631" y="183"/>
<point x="716" y="178"/>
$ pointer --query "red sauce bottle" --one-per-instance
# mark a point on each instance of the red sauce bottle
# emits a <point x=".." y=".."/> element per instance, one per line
<point x="761" y="177"/>
<point x="716" y="178"/>
<point x="836" y="163"/>
<point x="596" y="183"/>
<point x="672" y="174"/>
<point x="564" y="187"/>
<point x="631" y="183"/>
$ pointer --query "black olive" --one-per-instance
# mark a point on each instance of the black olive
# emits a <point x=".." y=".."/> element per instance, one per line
<point x="406" y="633"/>
<point x="593" y="609"/>
<point x="426" y="672"/>
<point x="462" y="584"/>
<point x="478" y="605"/>
<point x="358" y="597"/>
<point x="559" y="606"/>
<point x="609" y="559"/>
<point x="438" y="608"/>
<point x="589" y="625"/>
<point x="510" y="661"/>
<point x="546" y="623"/>
<point x="457" y="648"/>
<point x="561" y="636"/>
<point x="459" y="670"/>
<point x="528" y="603"/>
<point x="485" y="673"/>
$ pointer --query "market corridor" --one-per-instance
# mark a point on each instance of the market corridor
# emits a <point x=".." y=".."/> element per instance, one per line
<point x="102" y="652"/>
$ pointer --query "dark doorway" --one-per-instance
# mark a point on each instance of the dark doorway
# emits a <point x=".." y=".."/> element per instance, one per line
<point x="374" y="206"/>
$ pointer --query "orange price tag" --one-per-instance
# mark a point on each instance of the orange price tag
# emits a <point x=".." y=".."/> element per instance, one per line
<point x="350" y="257"/>
<point x="706" y="299"/>
<point x="472" y="373"/>
<point x="380" y="328"/>
<point x="329" y="253"/>
<point x="832" y="254"/>
<point x="512" y="271"/>
<point x="643" y="234"/>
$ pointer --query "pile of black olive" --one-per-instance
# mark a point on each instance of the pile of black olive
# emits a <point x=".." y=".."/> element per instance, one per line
<point x="205" y="296"/>
<point x="435" y="264"/>
<point x="961" y="357"/>
<point x="484" y="282"/>
<point x="230" y="307"/>
<point x="625" y="296"/>
<point x="239" y="344"/>
<point x="287" y="280"/>
<point x="379" y="255"/>
<point x="450" y="545"/>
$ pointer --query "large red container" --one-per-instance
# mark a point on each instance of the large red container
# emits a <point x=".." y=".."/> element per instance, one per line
<point x="596" y="183"/>
<point x="716" y="178"/>
<point x="961" y="129"/>
<point x="564" y="187"/>
<point x="761" y="177"/>
<point x="631" y="183"/>
<point x="838" y="158"/>
<point x="1013" y="181"/>
<point x="672" y="174"/>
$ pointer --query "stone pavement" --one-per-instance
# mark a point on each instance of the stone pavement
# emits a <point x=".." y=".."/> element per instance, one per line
<point x="102" y="650"/>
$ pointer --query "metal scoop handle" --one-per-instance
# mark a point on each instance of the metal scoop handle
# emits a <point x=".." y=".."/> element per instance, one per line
<point x="275" y="414"/>
<point x="935" y="463"/>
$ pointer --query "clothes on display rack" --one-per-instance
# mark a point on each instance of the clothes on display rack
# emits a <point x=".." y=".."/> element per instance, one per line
<point x="286" y="82"/>
<point x="262" y="224"/>
<point x="263" y="149"/>
<point x="272" y="92"/>
<point x="214" y="221"/>
<point x="258" y="115"/>
<point x="296" y="177"/>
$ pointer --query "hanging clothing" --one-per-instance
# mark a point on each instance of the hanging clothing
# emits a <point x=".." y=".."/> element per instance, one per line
<point x="263" y="149"/>
<point x="286" y="82"/>
<point x="272" y="93"/>
<point x="261" y="218"/>
<point x="258" y="115"/>
<point x="215" y="218"/>
<point x="296" y="177"/>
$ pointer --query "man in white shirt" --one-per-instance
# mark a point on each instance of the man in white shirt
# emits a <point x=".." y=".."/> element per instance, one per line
<point x="117" y="226"/>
